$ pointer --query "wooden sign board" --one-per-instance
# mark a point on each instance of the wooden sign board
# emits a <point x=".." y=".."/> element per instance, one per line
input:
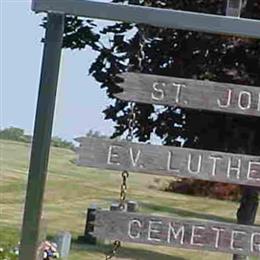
<point x="169" y="160"/>
<point x="178" y="232"/>
<point x="188" y="93"/>
<point x="168" y="18"/>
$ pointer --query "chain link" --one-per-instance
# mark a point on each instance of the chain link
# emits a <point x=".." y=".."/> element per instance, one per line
<point x="131" y="122"/>
<point x="117" y="243"/>
<point x="142" y="44"/>
<point x="123" y="191"/>
<point x="129" y="137"/>
<point x="132" y="116"/>
<point x="112" y="253"/>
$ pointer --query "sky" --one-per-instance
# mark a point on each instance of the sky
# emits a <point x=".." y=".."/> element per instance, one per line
<point x="80" y="101"/>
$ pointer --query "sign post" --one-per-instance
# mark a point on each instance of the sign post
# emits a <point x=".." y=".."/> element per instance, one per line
<point x="152" y="159"/>
<point x="42" y="137"/>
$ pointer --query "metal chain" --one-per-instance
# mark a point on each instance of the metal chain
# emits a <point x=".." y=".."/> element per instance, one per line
<point x="141" y="57"/>
<point x="123" y="191"/>
<point x="129" y="137"/>
<point x="117" y="243"/>
<point x="125" y="175"/>
<point x="112" y="253"/>
<point x="131" y="122"/>
<point x="132" y="116"/>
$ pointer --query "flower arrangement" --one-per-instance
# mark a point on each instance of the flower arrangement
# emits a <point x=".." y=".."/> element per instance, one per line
<point x="48" y="249"/>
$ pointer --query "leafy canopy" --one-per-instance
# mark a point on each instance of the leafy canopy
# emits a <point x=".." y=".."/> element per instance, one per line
<point x="125" y="47"/>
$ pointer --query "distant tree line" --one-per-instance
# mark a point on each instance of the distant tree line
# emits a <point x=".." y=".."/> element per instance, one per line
<point x="59" y="142"/>
<point x="17" y="134"/>
<point x="97" y="134"/>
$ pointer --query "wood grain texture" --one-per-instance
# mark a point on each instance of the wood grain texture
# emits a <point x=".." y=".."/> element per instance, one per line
<point x="178" y="232"/>
<point x="188" y="93"/>
<point x="167" y="18"/>
<point x="169" y="160"/>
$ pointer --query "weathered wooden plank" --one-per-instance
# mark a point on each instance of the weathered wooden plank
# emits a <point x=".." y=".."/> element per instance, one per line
<point x="153" y="16"/>
<point x="178" y="232"/>
<point x="169" y="160"/>
<point x="188" y="93"/>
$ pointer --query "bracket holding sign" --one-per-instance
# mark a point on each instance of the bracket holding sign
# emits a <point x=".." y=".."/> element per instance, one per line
<point x="234" y="8"/>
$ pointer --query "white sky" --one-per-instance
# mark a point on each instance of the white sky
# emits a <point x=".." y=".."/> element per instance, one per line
<point x="80" y="101"/>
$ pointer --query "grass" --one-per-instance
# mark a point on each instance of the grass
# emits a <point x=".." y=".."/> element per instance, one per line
<point x="71" y="189"/>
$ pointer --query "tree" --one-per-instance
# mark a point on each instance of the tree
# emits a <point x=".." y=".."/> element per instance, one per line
<point x="12" y="133"/>
<point x="59" y="142"/>
<point x="95" y="134"/>
<point x="147" y="49"/>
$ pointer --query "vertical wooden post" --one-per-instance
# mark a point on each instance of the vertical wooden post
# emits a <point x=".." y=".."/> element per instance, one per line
<point x="42" y="137"/>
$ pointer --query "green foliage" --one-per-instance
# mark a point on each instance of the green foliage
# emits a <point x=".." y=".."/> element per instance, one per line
<point x="169" y="52"/>
<point x="7" y="254"/>
<point x="17" y="134"/>
<point x="96" y="134"/>
<point x="59" y="142"/>
<point x="12" y="133"/>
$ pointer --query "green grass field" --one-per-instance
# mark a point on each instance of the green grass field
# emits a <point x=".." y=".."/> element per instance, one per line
<point x="71" y="189"/>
